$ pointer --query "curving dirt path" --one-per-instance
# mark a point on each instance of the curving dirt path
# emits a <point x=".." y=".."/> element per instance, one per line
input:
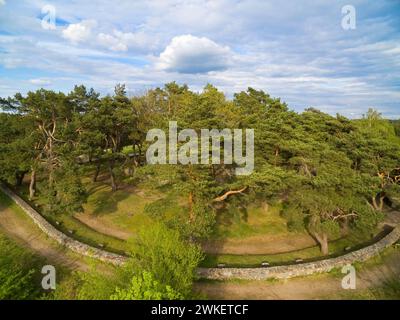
<point x="322" y="286"/>
<point x="27" y="234"/>
<point x="101" y="227"/>
<point x="263" y="244"/>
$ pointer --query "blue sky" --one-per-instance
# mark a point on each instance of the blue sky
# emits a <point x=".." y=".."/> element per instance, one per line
<point x="296" y="50"/>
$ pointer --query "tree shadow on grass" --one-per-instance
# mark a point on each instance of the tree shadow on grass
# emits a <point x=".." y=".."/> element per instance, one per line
<point x="107" y="201"/>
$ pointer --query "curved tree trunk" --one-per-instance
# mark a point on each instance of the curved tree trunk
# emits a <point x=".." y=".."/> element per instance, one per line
<point x="324" y="246"/>
<point x="32" y="185"/>
<point x="112" y="177"/>
<point x="322" y="240"/>
<point x="97" y="172"/>
<point x="378" y="204"/>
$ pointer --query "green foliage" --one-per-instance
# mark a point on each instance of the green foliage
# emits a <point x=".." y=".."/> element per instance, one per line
<point x="66" y="195"/>
<point x="158" y="208"/>
<point x="161" y="251"/>
<point x="367" y="219"/>
<point x="16" y="147"/>
<point x="17" y="272"/>
<point x="162" y="266"/>
<point x="95" y="285"/>
<point x="145" y="287"/>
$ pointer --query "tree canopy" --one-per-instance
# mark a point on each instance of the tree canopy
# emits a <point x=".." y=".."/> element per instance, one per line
<point x="329" y="172"/>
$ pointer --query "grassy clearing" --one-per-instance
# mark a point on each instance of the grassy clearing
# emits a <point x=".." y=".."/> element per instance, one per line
<point x="87" y="235"/>
<point x="123" y="208"/>
<point x="252" y="222"/>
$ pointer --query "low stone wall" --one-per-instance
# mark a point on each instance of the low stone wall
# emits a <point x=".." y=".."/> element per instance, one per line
<point x="303" y="269"/>
<point x="277" y="272"/>
<point x="60" y="237"/>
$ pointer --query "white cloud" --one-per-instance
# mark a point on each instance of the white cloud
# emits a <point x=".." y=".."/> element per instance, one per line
<point x="78" y="32"/>
<point x="111" y="42"/>
<point x="2" y="2"/>
<point x="40" y="82"/>
<point x="190" y="54"/>
<point x="122" y="41"/>
<point x="273" y="47"/>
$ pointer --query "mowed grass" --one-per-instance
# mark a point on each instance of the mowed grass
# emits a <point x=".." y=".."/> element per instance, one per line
<point x="123" y="208"/>
<point x="84" y="233"/>
<point x="252" y="222"/>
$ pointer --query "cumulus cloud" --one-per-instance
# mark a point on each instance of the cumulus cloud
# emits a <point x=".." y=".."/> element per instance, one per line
<point x="299" y="53"/>
<point x="79" y="32"/>
<point x="190" y="54"/>
<point x="122" y="41"/>
<point x="40" y="82"/>
<point x="111" y="42"/>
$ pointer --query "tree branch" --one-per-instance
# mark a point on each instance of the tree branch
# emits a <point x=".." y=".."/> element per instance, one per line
<point x="228" y="193"/>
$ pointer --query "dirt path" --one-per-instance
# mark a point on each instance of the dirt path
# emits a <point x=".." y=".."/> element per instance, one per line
<point x="322" y="286"/>
<point x="101" y="227"/>
<point x="274" y="244"/>
<point x="253" y="245"/>
<point x="26" y="233"/>
<point x="260" y="244"/>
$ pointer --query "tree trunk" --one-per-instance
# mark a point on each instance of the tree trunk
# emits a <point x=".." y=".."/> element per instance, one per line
<point x="375" y="205"/>
<point x="381" y="202"/>
<point x="276" y="155"/>
<point x="140" y="155"/>
<point x="32" y="185"/>
<point x="19" y="177"/>
<point x="378" y="205"/>
<point x="96" y="174"/>
<point x="112" y="177"/>
<point x="324" y="246"/>
<point x="323" y="242"/>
